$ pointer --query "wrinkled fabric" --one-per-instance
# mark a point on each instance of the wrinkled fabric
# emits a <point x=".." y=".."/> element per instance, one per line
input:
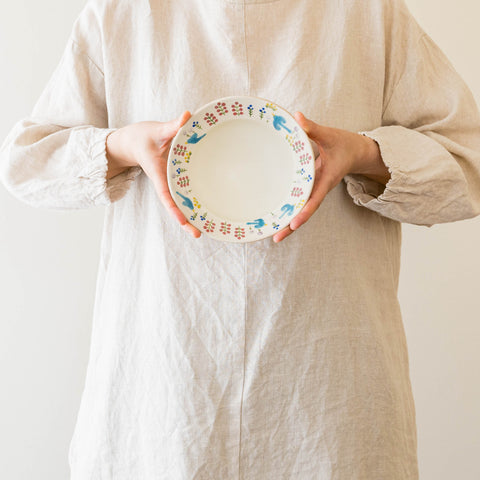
<point x="254" y="361"/>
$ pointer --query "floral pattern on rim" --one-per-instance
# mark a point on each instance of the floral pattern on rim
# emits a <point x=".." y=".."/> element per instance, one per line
<point x="298" y="146"/>
<point x="225" y="227"/>
<point x="237" y="108"/>
<point x="209" y="226"/>
<point x="221" y="108"/>
<point x="300" y="204"/>
<point x="305" y="159"/>
<point x="180" y="150"/>
<point x="183" y="182"/>
<point x="210" y="118"/>
<point x="239" y="233"/>
<point x="296" y="192"/>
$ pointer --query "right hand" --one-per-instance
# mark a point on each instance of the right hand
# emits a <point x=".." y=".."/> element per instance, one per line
<point x="146" y="144"/>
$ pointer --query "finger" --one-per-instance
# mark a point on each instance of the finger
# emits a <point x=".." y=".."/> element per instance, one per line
<point x="316" y="132"/>
<point x="192" y="230"/>
<point x="170" y="129"/>
<point x="183" y="118"/>
<point x="160" y="183"/>
<point x="168" y="201"/>
<point x="285" y="232"/>
<point x="319" y="192"/>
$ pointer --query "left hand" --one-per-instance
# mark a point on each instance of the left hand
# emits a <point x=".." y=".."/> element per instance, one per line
<point x="340" y="152"/>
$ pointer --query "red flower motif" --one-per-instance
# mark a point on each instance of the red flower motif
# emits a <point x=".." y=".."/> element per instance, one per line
<point x="239" y="233"/>
<point x="183" y="181"/>
<point x="297" y="192"/>
<point x="225" y="227"/>
<point x="209" y="226"/>
<point x="179" y="149"/>
<point x="221" y="108"/>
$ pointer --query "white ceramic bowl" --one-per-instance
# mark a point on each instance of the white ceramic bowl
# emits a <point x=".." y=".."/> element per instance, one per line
<point x="241" y="168"/>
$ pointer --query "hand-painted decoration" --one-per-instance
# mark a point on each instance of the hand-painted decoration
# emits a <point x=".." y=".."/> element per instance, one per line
<point x="186" y="201"/>
<point x="279" y="122"/>
<point x="194" y="138"/>
<point x="258" y="223"/>
<point x="287" y="209"/>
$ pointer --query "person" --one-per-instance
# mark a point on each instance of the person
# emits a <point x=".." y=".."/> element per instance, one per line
<point x="283" y="358"/>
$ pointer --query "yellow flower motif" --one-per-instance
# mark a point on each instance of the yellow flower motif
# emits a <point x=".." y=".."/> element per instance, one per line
<point x="300" y="203"/>
<point x="195" y="202"/>
<point x="270" y="105"/>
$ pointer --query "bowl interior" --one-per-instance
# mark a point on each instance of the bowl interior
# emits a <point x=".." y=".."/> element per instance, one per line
<point x="243" y="169"/>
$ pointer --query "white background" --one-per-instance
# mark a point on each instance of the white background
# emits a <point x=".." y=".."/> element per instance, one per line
<point x="49" y="259"/>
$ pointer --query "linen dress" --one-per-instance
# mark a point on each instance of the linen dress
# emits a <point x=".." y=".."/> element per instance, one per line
<point x="254" y="361"/>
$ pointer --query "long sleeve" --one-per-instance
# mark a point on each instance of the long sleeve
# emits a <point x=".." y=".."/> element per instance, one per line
<point x="429" y="137"/>
<point x="56" y="157"/>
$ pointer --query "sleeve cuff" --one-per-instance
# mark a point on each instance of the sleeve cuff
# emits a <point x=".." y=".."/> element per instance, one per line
<point x="364" y="190"/>
<point x="105" y="191"/>
<point x="400" y="198"/>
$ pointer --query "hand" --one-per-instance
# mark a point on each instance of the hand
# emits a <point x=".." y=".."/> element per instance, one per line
<point x="340" y="152"/>
<point x="146" y="144"/>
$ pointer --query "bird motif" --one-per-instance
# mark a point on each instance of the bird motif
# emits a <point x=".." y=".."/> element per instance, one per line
<point x="279" y="122"/>
<point x="287" y="209"/>
<point x="186" y="201"/>
<point x="194" y="138"/>
<point x="259" y="223"/>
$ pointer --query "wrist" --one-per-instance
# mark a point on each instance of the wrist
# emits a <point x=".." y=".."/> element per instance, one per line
<point x="370" y="162"/>
<point x="117" y="148"/>
<point x="118" y="156"/>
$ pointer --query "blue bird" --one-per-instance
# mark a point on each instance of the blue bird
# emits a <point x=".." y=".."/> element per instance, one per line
<point x="259" y="223"/>
<point x="186" y="201"/>
<point x="287" y="208"/>
<point x="279" y="122"/>
<point x="195" y="138"/>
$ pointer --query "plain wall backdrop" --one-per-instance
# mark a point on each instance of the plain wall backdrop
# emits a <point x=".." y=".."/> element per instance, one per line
<point x="49" y="259"/>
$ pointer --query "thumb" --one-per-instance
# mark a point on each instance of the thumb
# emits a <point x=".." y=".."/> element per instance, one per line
<point x="315" y="131"/>
<point x="183" y="118"/>
<point x="171" y="128"/>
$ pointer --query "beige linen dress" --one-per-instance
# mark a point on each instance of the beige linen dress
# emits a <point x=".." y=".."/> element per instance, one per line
<point x="254" y="361"/>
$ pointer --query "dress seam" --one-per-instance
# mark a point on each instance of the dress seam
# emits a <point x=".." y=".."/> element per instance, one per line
<point x="246" y="47"/>
<point x="244" y="349"/>
<point x="244" y="270"/>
